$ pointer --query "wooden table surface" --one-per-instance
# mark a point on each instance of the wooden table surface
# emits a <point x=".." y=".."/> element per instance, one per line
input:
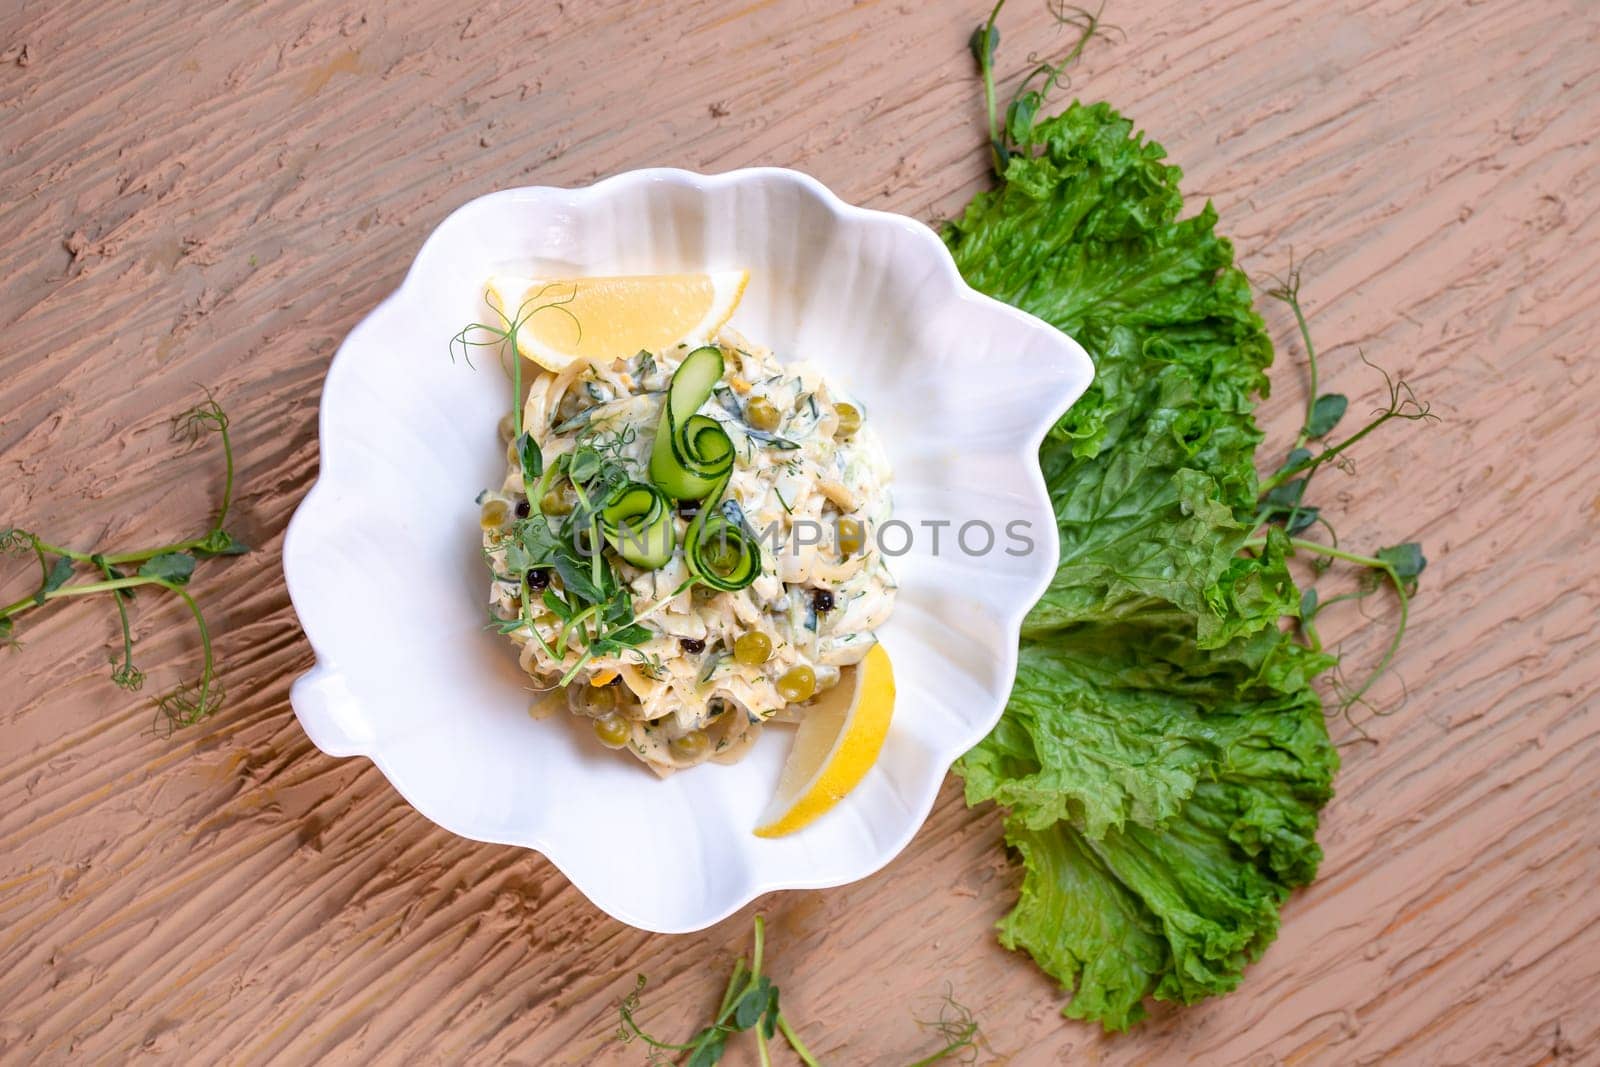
<point x="215" y="194"/>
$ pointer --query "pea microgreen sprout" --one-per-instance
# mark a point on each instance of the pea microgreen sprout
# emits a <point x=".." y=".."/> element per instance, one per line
<point x="1282" y="503"/>
<point x="593" y="607"/>
<point x="957" y="1027"/>
<point x="750" y="1004"/>
<point x="1005" y="136"/>
<point x="168" y="566"/>
<point x="504" y="338"/>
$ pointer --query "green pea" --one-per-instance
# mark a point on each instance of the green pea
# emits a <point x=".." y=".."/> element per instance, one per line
<point x="722" y="556"/>
<point x="690" y="746"/>
<point x="797" y="684"/>
<point x="493" y="513"/>
<point x="762" y="414"/>
<point x="613" y="731"/>
<point x="752" y="649"/>
<point x="851" y="537"/>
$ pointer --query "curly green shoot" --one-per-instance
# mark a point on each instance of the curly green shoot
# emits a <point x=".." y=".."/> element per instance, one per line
<point x="1282" y="502"/>
<point x="504" y="338"/>
<point x="167" y="566"/>
<point x="750" y="1003"/>
<point x="749" y="999"/>
<point x="1324" y="410"/>
<point x="125" y="675"/>
<point x="959" y="1030"/>
<point x="1397" y="566"/>
<point x="593" y="606"/>
<point x="1006" y="138"/>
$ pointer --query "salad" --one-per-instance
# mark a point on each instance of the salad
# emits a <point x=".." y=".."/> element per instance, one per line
<point x="681" y="547"/>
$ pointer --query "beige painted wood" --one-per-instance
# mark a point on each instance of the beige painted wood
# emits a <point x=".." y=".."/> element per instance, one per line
<point x="214" y="194"/>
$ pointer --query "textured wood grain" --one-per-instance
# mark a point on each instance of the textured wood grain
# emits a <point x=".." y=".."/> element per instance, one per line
<point x="217" y="194"/>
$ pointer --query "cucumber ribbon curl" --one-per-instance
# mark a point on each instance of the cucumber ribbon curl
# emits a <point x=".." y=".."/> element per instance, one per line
<point x="692" y="453"/>
<point x="720" y="547"/>
<point x="637" y="521"/>
<point x="692" y="459"/>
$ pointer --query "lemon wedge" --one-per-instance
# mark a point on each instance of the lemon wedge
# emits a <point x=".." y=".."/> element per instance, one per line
<point x="596" y="320"/>
<point x="837" y="743"/>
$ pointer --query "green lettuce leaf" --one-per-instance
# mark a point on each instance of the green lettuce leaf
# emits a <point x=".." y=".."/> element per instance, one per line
<point x="1083" y="926"/>
<point x="1117" y="723"/>
<point x="1163" y="756"/>
<point x="1176" y="912"/>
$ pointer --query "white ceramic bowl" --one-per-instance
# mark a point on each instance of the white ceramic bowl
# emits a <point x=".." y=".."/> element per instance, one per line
<point x="383" y="565"/>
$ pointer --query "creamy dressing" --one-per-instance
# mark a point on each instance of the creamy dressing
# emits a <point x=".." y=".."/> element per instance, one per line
<point x="677" y="704"/>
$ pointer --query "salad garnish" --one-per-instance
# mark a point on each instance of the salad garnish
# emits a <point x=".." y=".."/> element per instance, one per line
<point x="1165" y="753"/>
<point x="750" y="1005"/>
<point x="644" y="544"/>
<point x="120" y="574"/>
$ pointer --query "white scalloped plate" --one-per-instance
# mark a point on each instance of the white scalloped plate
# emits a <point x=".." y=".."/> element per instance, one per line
<point x="383" y="565"/>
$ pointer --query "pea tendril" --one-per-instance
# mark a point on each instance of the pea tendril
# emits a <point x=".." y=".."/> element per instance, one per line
<point x="593" y="607"/>
<point x="168" y="566"/>
<point x="750" y="1002"/>
<point x="1007" y="134"/>
<point x="1282" y="503"/>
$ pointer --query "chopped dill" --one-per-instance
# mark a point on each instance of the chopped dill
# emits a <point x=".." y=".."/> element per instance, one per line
<point x="650" y="664"/>
<point x="610" y="444"/>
